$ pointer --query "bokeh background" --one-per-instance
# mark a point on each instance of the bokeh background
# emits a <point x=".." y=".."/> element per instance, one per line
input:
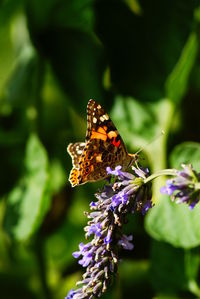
<point x="140" y="60"/>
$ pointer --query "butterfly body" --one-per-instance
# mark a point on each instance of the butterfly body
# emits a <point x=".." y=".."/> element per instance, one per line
<point x="103" y="147"/>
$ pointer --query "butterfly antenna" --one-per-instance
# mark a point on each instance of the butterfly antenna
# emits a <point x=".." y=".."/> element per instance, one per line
<point x="150" y="142"/>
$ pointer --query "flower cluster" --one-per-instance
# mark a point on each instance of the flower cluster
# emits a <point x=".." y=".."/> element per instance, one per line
<point x="184" y="187"/>
<point x="129" y="193"/>
<point x="100" y="257"/>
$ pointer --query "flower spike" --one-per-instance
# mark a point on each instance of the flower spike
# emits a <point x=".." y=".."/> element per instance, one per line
<point x="100" y="256"/>
<point x="184" y="187"/>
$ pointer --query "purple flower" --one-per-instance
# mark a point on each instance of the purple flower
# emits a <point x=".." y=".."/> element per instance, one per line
<point x="130" y="190"/>
<point x="95" y="228"/>
<point x="116" y="171"/>
<point x="184" y="187"/>
<point x="92" y="204"/>
<point x="70" y="294"/>
<point x="147" y="205"/>
<point x="86" y="251"/>
<point x="169" y="188"/>
<point x="108" y="238"/>
<point x="100" y="257"/>
<point x="125" y="242"/>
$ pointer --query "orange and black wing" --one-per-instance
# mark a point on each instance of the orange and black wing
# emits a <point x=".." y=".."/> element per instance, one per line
<point x="104" y="146"/>
<point x="75" y="150"/>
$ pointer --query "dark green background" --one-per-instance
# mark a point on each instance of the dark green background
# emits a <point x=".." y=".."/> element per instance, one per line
<point x="140" y="60"/>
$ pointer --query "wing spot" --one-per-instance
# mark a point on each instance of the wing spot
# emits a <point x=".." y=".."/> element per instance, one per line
<point x="99" y="158"/>
<point x="106" y="117"/>
<point x="112" y="134"/>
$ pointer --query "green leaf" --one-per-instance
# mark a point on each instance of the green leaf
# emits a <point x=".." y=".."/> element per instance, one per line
<point x="8" y="8"/>
<point x="29" y="201"/>
<point x="72" y="13"/>
<point x="177" y="81"/>
<point x="61" y="244"/>
<point x="174" y="223"/>
<point x="70" y="45"/>
<point x="167" y="269"/>
<point x="140" y="53"/>
<point x="170" y="266"/>
<point x="136" y="124"/>
<point x="140" y="124"/>
<point x="185" y="153"/>
<point x="18" y="66"/>
<point x="57" y="176"/>
<point x="21" y="84"/>
<point x="6" y="54"/>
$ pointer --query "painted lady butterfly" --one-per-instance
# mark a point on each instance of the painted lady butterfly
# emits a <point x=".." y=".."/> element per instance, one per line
<point x="103" y="147"/>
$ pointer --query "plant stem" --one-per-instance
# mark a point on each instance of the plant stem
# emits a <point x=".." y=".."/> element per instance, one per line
<point x="153" y="176"/>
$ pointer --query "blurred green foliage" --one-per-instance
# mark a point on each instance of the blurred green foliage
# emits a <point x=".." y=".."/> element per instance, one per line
<point x="141" y="61"/>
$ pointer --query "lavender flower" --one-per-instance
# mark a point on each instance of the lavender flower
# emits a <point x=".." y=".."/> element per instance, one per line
<point x="184" y="187"/>
<point x="100" y="256"/>
<point x="125" y="242"/>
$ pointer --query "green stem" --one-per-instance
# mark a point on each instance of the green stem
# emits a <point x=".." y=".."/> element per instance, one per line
<point x="153" y="176"/>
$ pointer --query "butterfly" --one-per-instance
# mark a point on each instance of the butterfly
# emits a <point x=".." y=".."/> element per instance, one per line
<point x="103" y="147"/>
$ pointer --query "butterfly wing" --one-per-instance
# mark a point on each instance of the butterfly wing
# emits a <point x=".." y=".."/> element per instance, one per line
<point x="75" y="150"/>
<point x="97" y="118"/>
<point x="104" y="146"/>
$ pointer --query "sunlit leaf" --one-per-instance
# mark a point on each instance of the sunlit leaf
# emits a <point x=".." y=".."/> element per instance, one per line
<point x="171" y="222"/>
<point x="177" y="81"/>
<point x="184" y="153"/>
<point x="175" y="224"/>
<point x="140" y="124"/>
<point x="28" y="202"/>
